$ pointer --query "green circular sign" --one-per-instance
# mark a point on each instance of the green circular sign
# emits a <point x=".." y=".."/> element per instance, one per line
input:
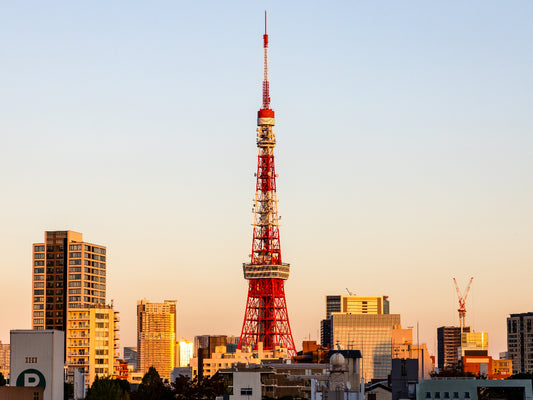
<point x="31" y="377"/>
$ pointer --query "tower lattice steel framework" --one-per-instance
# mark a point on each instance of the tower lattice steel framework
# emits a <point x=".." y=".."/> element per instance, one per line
<point x="266" y="319"/>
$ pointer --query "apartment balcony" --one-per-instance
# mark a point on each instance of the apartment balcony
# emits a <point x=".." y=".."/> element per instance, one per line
<point x="79" y="344"/>
<point x="77" y="335"/>
<point x="81" y="326"/>
<point x="80" y="363"/>
<point x="78" y="318"/>
<point x="76" y="354"/>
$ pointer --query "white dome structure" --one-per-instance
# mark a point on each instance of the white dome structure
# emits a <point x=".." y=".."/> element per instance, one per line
<point x="337" y="361"/>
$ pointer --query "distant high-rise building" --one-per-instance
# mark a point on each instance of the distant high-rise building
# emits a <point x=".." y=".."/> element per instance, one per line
<point x="369" y="333"/>
<point x="448" y="341"/>
<point x="130" y="356"/>
<point x="92" y="342"/>
<point x="520" y="342"/>
<point x="352" y="304"/>
<point x="68" y="273"/>
<point x="156" y="336"/>
<point x="185" y="349"/>
<point x="4" y="358"/>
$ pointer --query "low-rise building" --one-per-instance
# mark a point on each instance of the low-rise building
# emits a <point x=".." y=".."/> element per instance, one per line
<point x="486" y="367"/>
<point x="340" y="379"/>
<point x="474" y="389"/>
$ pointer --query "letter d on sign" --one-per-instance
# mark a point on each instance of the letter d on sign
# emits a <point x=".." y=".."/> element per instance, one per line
<point x="31" y="378"/>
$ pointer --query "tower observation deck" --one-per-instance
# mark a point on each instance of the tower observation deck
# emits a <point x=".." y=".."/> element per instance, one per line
<point x="266" y="319"/>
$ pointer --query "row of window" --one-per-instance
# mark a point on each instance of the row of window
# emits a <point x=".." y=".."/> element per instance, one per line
<point x="78" y="247"/>
<point x="446" y="395"/>
<point x="85" y="299"/>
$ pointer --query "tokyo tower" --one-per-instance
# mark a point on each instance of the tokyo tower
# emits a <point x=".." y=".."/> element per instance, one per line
<point x="266" y="319"/>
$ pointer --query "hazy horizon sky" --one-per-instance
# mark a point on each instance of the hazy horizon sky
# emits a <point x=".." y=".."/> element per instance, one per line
<point x="404" y="153"/>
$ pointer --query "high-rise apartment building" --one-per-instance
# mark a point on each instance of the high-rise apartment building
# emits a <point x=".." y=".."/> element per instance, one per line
<point x="520" y="342"/>
<point x="156" y="336"/>
<point x="448" y="341"/>
<point x="369" y="333"/>
<point x="92" y="342"/>
<point x="68" y="273"/>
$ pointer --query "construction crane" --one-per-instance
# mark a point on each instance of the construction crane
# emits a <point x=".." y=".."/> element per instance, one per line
<point x="462" y="302"/>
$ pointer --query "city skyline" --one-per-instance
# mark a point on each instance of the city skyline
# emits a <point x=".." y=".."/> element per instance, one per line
<point x="403" y="149"/>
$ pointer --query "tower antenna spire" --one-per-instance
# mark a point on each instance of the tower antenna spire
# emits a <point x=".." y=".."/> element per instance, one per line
<point x="266" y="88"/>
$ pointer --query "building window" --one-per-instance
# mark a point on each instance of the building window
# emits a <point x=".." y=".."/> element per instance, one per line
<point x="39" y="263"/>
<point x="437" y="395"/>
<point x="467" y="395"/>
<point x="446" y="395"/>
<point x="246" y="391"/>
<point x="455" y="395"/>
<point x="39" y="256"/>
<point x="39" y="248"/>
<point x="38" y="270"/>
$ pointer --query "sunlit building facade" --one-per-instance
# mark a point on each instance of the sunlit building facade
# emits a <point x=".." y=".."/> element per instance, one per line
<point x="156" y="336"/>
<point x="92" y="342"/>
<point x="185" y="349"/>
<point x="369" y="333"/>
<point x="68" y="273"/>
<point x="357" y="304"/>
<point x="352" y="304"/>
<point x="4" y="358"/>
<point x="474" y="344"/>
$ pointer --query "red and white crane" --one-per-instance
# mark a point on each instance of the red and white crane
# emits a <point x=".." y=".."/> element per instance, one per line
<point x="462" y="302"/>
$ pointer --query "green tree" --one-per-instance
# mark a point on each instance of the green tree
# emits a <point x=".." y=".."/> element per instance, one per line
<point x="68" y="391"/>
<point x="3" y="381"/>
<point x="106" y="389"/>
<point x="196" y="389"/>
<point x="152" y="387"/>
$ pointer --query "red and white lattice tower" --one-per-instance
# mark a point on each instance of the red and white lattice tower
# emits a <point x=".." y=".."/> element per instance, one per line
<point x="266" y="319"/>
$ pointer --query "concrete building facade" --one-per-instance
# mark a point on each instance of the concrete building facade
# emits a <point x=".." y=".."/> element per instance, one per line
<point x="448" y="341"/>
<point x="520" y="341"/>
<point x="67" y="273"/>
<point x="474" y="389"/>
<point x="37" y="359"/>
<point x="156" y="336"/>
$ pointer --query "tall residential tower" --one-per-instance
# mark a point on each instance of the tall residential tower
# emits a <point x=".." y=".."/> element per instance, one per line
<point x="156" y="336"/>
<point x="68" y="273"/>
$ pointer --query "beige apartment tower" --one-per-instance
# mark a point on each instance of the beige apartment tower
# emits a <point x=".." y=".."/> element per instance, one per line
<point x="92" y="342"/>
<point x="68" y="273"/>
<point x="156" y="336"/>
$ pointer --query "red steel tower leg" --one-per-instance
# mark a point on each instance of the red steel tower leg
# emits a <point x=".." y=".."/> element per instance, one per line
<point x="266" y="319"/>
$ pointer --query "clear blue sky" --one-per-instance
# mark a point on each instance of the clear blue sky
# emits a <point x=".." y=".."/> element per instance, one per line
<point x="405" y="153"/>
